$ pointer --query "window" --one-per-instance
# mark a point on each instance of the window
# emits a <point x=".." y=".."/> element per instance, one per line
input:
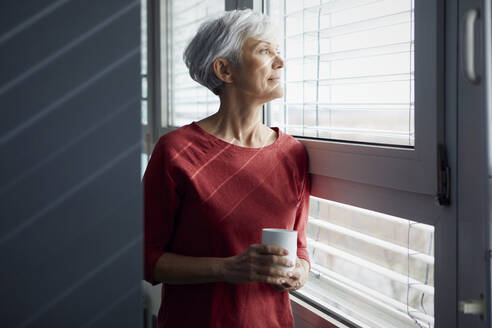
<point x="348" y="70"/>
<point x="375" y="269"/>
<point x="144" y="156"/>
<point x="349" y="81"/>
<point x="144" y="54"/>
<point x="335" y="91"/>
<point x="187" y="99"/>
<point x="350" y="97"/>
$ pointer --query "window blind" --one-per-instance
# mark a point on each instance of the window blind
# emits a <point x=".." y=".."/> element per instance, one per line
<point x="187" y="99"/>
<point x="375" y="269"/>
<point x="349" y="70"/>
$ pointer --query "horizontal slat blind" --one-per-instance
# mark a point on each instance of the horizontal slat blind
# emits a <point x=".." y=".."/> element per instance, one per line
<point x="379" y="269"/>
<point x="188" y="100"/>
<point x="353" y="290"/>
<point x="349" y="70"/>
<point x="371" y="240"/>
<point x="374" y="268"/>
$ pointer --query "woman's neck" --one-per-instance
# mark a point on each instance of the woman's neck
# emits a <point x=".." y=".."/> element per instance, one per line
<point x="238" y="121"/>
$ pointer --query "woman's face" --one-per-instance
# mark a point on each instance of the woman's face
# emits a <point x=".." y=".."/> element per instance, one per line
<point x="259" y="73"/>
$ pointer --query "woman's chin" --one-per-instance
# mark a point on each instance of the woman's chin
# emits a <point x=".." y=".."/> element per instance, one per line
<point x="278" y="94"/>
<point x="272" y="97"/>
<point x="266" y="97"/>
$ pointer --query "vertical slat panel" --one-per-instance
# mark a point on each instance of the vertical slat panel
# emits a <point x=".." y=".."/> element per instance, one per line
<point x="70" y="145"/>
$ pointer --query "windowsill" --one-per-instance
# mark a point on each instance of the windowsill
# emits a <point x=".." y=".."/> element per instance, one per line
<point x="307" y="316"/>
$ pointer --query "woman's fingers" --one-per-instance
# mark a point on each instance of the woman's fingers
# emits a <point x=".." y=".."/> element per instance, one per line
<point x="274" y="259"/>
<point x="269" y="249"/>
<point x="268" y="270"/>
<point x="270" y="255"/>
<point x="294" y="275"/>
<point x="260" y="263"/>
<point x="273" y="280"/>
<point x="293" y="282"/>
<point x="286" y="285"/>
<point x="290" y="282"/>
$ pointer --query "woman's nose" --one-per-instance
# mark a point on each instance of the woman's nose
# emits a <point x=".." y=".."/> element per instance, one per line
<point x="278" y="62"/>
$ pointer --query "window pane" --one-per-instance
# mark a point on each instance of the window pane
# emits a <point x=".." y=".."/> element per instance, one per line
<point x="143" y="60"/>
<point x="349" y="70"/>
<point x="143" y="164"/>
<point x="144" y="108"/>
<point x="144" y="87"/>
<point x="143" y="35"/>
<point x="188" y="100"/>
<point x="371" y="267"/>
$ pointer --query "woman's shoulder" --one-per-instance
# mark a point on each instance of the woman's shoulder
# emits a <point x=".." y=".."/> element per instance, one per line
<point x="294" y="153"/>
<point x="175" y="139"/>
<point x="172" y="143"/>
<point x="293" y="147"/>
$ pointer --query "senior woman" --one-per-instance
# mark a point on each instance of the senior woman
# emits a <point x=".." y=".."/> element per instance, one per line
<point x="212" y="185"/>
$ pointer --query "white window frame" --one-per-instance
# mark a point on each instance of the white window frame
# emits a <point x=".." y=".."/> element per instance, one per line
<point x="404" y="169"/>
<point x="402" y="181"/>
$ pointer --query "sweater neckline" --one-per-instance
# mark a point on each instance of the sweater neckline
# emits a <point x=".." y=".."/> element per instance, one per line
<point x="219" y="141"/>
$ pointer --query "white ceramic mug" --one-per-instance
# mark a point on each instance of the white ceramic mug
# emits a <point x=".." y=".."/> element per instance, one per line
<point x="284" y="238"/>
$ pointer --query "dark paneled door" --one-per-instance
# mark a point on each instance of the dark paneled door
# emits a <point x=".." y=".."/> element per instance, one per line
<point x="473" y="174"/>
<point x="70" y="147"/>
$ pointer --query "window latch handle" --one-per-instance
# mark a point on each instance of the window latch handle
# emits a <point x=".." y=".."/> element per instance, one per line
<point x="468" y="46"/>
<point x="475" y="307"/>
<point x="443" y="177"/>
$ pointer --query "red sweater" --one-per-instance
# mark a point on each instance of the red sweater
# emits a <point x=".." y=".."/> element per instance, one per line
<point x="205" y="197"/>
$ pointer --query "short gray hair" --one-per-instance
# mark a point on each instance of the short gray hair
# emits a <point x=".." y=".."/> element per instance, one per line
<point x="223" y="37"/>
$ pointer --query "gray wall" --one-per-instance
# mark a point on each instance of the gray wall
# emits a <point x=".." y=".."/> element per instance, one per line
<point x="70" y="144"/>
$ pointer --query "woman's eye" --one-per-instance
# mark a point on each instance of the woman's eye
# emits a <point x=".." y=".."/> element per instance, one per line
<point x="264" y="51"/>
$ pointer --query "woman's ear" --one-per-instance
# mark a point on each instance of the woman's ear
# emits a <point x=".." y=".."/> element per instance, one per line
<point x="222" y="69"/>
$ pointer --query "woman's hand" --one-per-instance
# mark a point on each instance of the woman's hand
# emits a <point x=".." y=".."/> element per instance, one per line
<point x="296" y="278"/>
<point x="256" y="264"/>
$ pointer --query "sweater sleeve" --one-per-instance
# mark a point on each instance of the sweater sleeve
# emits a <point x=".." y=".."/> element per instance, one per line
<point x="302" y="217"/>
<point x="161" y="202"/>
